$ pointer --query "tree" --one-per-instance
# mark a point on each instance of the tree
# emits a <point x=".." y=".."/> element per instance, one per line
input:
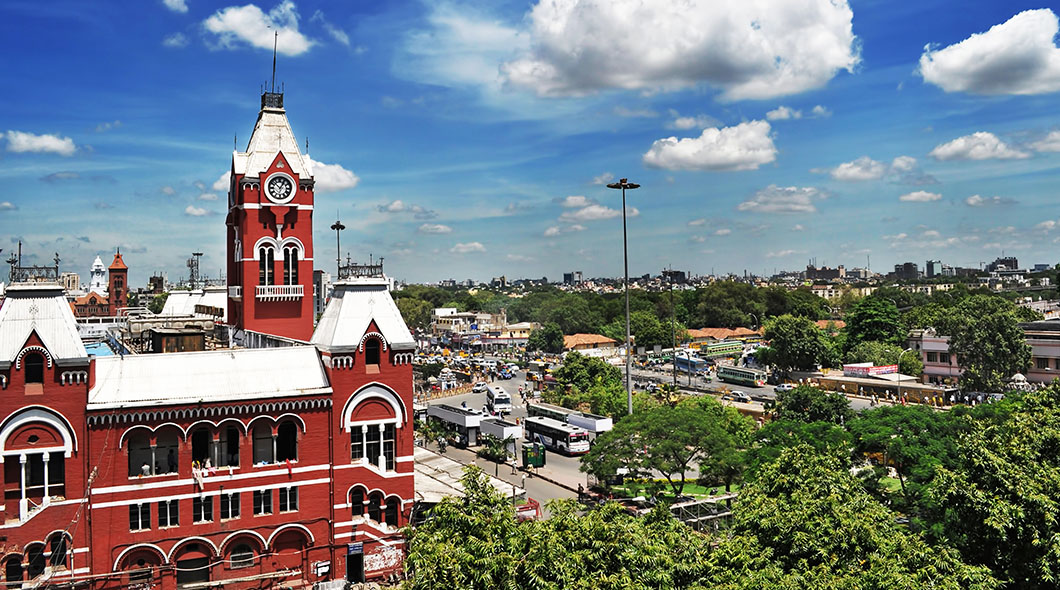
<point x="157" y="303"/>
<point x="825" y="438"/>
<point x="415" y="312"/>
<point x="805" y="522"/>
<point x="794" y="343"/>
<point x="670" y="441"/>
<point x="646" y="329"/>
<point x="873" y="319"/>
<point x="990" y="347"/>
<point x="810" y="404"/>
<point x="548" y="338"/>
<point x="880" y="353"/>
<point x="582" y="372"/>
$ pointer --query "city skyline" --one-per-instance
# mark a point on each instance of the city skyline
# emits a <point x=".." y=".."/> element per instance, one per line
<point x="463" y="139"/>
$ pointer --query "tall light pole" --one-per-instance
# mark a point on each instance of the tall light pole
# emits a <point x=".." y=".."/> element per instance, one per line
<point x="623" y="184"/>
<point x="337" y="226"/>
<point x="900" y="373"/>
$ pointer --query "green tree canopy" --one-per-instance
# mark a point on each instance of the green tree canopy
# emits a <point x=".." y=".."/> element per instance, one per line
<point x="582" y="372"/>
<point x="795" y="344"/>
<point x="806" y="403"/>
<point x="415" y="312"/>
<point x="548" y="338"/>
<point x="873" y="319"/>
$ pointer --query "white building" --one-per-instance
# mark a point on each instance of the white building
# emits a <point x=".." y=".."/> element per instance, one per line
<point x="97" y="280"/>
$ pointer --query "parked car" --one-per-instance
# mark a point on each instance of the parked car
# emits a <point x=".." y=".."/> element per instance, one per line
<point x="737" y="396"/>
<point x="783" y="387"/>
<point x="479" y="387"/>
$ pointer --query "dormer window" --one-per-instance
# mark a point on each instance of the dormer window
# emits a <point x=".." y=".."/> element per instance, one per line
<point x="372" y="351"/>
<point x="34" y="368"/>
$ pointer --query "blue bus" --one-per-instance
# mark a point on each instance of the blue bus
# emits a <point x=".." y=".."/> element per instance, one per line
<point x="686" y="363"/>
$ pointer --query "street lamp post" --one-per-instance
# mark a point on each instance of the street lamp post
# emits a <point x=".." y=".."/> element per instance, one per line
<point x="623" y="184"/>
<point x="337" y="226"/>
<point x="900" y="372"/>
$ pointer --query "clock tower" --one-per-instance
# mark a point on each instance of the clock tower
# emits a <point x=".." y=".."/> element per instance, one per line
<point x="270" y="232"/>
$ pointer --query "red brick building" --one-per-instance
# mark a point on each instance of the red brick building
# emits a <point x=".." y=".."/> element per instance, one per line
<point x="241" y="467"/>
<point x="94" y="304"/>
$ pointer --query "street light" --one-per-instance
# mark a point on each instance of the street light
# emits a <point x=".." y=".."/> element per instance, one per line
<point x="337" y="226"/>
<point x="623" y="184"/>
<point x="900" y="372"/>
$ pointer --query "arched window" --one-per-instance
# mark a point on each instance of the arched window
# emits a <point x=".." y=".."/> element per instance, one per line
<point x="200" y="445"/>
<point x="13" y="571"/>
<point x="266" y="271"/>
<point x="357" y="501"/>
<point x="371" y="351"/>
<point x="391" y="515"/>
<point x="35" y="559"/>
<point x="58" y="551"/>
<point x="139" y="449"/>
<point x="264" y="449"/>
<point x="34" y="367"/>
<point x="290" y="265"/>
<point x="241" y="556"/>
<point x="287" y="442"/>
<point x="374" y="510"/>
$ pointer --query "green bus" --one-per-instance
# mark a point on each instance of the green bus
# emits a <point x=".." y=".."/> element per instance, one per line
<point x="742" y="376"/>
<point x="720" y="349"/>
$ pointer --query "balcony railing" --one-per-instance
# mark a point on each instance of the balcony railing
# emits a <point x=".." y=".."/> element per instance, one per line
<point x="278" y="292"/>
<point x="235" y="292"/>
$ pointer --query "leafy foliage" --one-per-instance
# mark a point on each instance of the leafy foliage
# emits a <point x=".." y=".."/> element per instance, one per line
<point x="548" y="338"/>
<point x="794" y="344"/>
<point x="415" y="312"/>
<point x="810" y="404"/>
<point x="582" y="372"/>
<point x="873" y="319"/>
<point x="881" y="353"/>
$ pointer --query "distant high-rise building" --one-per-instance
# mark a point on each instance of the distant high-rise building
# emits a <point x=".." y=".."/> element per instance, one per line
<point x="1003" y="263"/>
<point x="932" y="268"/>
<point x="70" y="281"/>
<point x="675" y="276"/>
<point x="824" y="273"/>
<point x="572" y="278"/>
<point x="907" y="271"/>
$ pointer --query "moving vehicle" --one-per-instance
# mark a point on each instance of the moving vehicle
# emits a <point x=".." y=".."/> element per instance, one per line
<point x="686" y="363"/>
<point x="742" y="376"/>
<point x="557" y="435"/>
<point x="498" y="400"/>
<point x="783" y="387"/>
<point x="721" y="348"/>
<point x="480" y="387"/>
<point x="737" y="396"/>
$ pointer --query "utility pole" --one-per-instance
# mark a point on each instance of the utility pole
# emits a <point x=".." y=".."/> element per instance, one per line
<point x="623" y="184"/>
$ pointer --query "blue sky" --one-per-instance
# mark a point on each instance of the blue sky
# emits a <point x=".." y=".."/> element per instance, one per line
<point x="473" y="139"/>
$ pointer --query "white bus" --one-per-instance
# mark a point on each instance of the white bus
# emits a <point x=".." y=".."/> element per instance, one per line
<point x="498" y="400"/>
<point x="557" y="435"/>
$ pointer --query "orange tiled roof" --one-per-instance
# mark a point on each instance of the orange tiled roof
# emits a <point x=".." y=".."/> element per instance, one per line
<point x="118" y="263"/>
<point x="583" y="339"/>
<point x="723" y="333"/>
<point x="88" y="299"/>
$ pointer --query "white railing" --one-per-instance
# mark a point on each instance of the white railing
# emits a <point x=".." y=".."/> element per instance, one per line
<point x="235" y="292"/>
<point x="278" y="292"/>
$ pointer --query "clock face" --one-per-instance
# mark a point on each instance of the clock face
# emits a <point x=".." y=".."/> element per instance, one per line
<point x="280" y="188"/>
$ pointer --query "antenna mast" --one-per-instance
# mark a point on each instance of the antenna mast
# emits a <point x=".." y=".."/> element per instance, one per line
<point x="275" y="37"/>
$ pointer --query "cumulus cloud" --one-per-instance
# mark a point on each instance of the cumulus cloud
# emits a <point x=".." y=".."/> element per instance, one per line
<point x="556" y="230"/>
<point x="981" y="145"/>
<point x="920" y="197"/>
<point x="978" y="201"/>
<point x="331" y="177"/>
<point x="1018" y="56"/>
<point x="902" y="170"/>
<point x="750" y="50"/>
<point x="176" y="5"/>
<point x="780" y="253"/>
<point x="574" y="201"/>
<point x="249" y="25"/>
<point x="821" y="112"/>
<point x="863" y="168"/>
<point x="1048" y="225"/>
<point x="107" y="126"/>
<point x="604" y="178"/>
<point x="691" y="122"/>
<point x="1049" y="143"/>
<point x="7" y="206"/>
<point x="783" y="113"/>
<point x="23" y="142"/>
<point x="467" y="248"/>
<point x="595" y="212"/>
<point x="175" y="41"/>
<point x="335" y="32"/>
<point x="193" y="211"/>
<point x="552" y="231"/>
<point x="743" y="147"/>
<point x="697" y="222"/>
<point x="208" y="197"/>
<point x="518" y="258"/>
<point x="781" y="199"/>
<point x="435" y="228"/>
<point x="399" y="206"/>
<point x="223" y="182"/>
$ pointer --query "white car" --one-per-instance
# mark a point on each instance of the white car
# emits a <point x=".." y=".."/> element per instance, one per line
<point x="479" y="387"/>
<point x="783" y="387"/>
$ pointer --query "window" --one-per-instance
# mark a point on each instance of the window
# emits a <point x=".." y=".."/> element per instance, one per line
<point x="357" y="443"/>
<point x="371" y="351"/>
<point x="290" y="265"/>
<point x="140" y="454"/>
<point x="389" y="446"/>
<point x="200" y="445"/>
<point x="202" y="509"/>
<point x="168" y="513"/>
<point x="242" y="556"/>
<point x="932" y="357"/>
<point x="288" y="499"/>
<point x="1057" y="365"/>
<point x="193" y="571"/>
<point x="1042" y="363"/>
<point x="944" y="357"/>
<point x="13" y="571"/>
<point x="262" y="502"/>
<point x="373" y="440"/>
<point x="266" y="271"/>
<point x="229" y="506"/>
<point x="357" y="501"/>
<point x="263" y="444"/>
<point x="139" y="517"/>
<point x="286" y="442"/>
<point x="374" y="511"/>
<point x="229" y="451"/>
<point x="58" y="549"/>
<point x="391" y="515"/>
<point x="35" y="557"/>
<point x="34" y="367"/>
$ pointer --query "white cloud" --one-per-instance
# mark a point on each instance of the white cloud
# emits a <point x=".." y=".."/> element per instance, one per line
<point x="1018" y="56"/>
<point x="552" y="231"/>
<point x="176" y="5"/>
<point x="697" y="222"/>
<point x="168" y="190"/>
<point x="743" y="147"/>
<point x="723" y="231"/>
<point x="782" y="113"/>
<point x="779" y="199"/>
<point x="798" y="227"/>
<point x="556" y="230"/>
<point x="518" y="258"/>
<point x="645" y="113"/>
<point x="821" y="112"/>
<point x="335" y="32"/>
<point x="604" y="178"/>
<point x="981" y="145"/>
<point x="207" y="197"/>
<point x="22" y="142"/>
<point x="920" y="197"/>
<point x="222" y="184"/>
<point x="904" y="163"/>
<point x="399" y="206"/>
<point x="781" y="253"/>
<point x="574" y="201"/>
<point x="863" y="168"/>
<point x="595" y="212"/>
<point x="7" y="206"/>
<point x="175" y="41"/>
<point x="237" y="25"/>
<point x="691" y="122"/>
<point x="1048" y="225"/>
<point x="435" y="228"/>
<point x="467" y="248"/>
<point x="1049" y="143"/>
<point x="576" y="227"/>
<point x="750" y="50"/>
<point x="331" y="177"/>
<point x="107" y="126"/>
<point x="978" y="201"/>
<point x="193" y="211"/>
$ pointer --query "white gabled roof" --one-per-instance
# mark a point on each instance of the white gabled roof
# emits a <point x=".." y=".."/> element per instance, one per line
<point x="272" y="134"/>
<point x="39" y="307"/>
<point x="354" y="304"/>
<point x="214" y="376"/>
<point x="182" y="303"/>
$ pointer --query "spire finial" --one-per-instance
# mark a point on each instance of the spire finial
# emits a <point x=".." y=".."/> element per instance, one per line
<point x="275" y="38"/>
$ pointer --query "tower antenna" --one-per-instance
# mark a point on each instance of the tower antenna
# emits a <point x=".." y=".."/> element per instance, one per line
<point x="275" y="37"/>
